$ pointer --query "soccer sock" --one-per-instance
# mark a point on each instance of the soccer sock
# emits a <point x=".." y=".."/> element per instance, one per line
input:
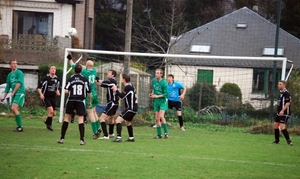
<point x="81" y="131"/>
<point x="286" y="134"/>
<point x="94" y="127"/>
<point x="130" y="131"/>
<point x="85" y="116"/>
<point x="19" y="120"/>
<point x="98" y="124"/>
<point x="180" y="120"/>
<point x="49" y="121"/>
<point x="104" y="129"/>
<point x="64" y="128"/>
<point x="276" y="132"/>
<point x="165" y="126"/>
<point x="73" y="115"/>
<point x="119" y="129"/>
<point x="111" y="128"/>
<point x="158" y="130"/>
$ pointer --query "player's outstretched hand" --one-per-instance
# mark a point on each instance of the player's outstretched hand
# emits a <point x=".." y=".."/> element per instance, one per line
<point x="69" y="57"/>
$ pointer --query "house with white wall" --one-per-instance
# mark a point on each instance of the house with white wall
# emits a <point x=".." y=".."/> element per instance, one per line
<point x="36" y="32"/>
<point x="240" y="33"/>
<point x="48" y="18"/>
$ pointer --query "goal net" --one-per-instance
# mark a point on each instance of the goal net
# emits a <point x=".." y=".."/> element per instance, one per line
<point x="218" y="70"/>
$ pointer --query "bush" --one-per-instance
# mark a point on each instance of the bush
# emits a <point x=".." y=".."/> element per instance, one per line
<point x="225" y="100"/>
<point x="233" y="89"/>
<point x="252" y="113"/>
<point x="206" y="92"/>
<point x="188" y="114"/>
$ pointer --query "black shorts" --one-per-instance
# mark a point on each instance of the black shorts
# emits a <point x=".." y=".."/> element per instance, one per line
<point x="48" y="102"/>
<point x="75" y="105"/>
<point x="176" y="104"/>
<point x="128" y="115"/>
<point x="111" y="109"/>
<point x="282" y="119"/>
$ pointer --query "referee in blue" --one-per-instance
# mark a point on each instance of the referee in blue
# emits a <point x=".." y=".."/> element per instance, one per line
<point x="175" y="97"/>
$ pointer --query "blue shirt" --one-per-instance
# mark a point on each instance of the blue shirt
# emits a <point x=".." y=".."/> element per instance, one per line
<point x="174" y="91"/>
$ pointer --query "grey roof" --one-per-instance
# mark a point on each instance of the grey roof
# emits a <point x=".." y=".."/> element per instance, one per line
<point x="227" y="40"/>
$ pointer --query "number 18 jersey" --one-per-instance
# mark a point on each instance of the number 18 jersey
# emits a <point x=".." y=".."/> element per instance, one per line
<point x="78" y="87"/>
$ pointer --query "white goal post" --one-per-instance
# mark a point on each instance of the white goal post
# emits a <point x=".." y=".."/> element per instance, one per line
<point x="284" y="61"/>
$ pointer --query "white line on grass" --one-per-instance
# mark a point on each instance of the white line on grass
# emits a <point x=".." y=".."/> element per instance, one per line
<point x="25" y="147"/>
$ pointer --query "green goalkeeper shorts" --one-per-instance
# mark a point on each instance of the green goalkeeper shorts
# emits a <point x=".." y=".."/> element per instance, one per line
<point x="18" y="99"/>
<point x="160" y="104"/>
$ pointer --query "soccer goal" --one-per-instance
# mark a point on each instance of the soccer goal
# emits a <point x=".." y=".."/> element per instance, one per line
<point x="190" y="73"/>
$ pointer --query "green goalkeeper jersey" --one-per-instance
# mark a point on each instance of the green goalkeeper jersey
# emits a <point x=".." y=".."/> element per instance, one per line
<point x="12" y="79"/>
<point x="160" y="88"/>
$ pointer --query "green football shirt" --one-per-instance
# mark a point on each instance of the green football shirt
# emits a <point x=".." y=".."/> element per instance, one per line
<point x="12" y="79"/>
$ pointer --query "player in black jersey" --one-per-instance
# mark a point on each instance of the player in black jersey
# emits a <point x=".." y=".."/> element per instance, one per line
<point x="48" y="89"/>
<point x="283" y="113"/>
<point x="131" y="108"/>
<point x="111" y="106"/>
<point x="78" y="88"/>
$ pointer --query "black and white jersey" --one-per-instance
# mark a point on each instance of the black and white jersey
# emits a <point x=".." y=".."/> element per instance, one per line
<point x="49" y="85"/>
<point x="78" y="87"/>
<point x="284" y="97"/>
<point x="110" y="95"/>
<point x="129" y="96"/>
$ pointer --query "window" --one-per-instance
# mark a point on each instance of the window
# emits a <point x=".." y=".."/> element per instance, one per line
<point x="32" y="23"/>
<point x="270" y="51"/>
<point x="205" y="76"/>
<point x="200" y="48"/>
<point x="262" y="80"/>
<point x="259" y="78"/>
<point x="241" y="25"/>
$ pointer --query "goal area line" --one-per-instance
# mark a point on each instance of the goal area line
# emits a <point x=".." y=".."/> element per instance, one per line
<point x="283" y="60"/>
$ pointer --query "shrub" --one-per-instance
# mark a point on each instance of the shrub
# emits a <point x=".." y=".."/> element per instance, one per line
<point x="225" y="100"/>
<point x="206" y="92"/>
<point x="233" y="89"/>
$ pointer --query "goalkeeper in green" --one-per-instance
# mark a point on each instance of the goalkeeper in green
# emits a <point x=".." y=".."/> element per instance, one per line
<point x="15" y="82"/>
<point x="160" y="96"/>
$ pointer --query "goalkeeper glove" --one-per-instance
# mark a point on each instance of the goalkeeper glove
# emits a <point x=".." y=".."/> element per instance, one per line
<point x="69" y="57"/>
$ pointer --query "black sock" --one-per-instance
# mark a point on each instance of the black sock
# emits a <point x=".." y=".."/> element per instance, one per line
<point x="286" y="134"/>
<point x="85" y="116"/>
<point x="49" y="119"/>
<point x="104" y="129"/>
<point x="130" y="131"/>
<point x="180" y="120"/>
<point x="64" y="128"/>
<point x="111" y="128"/>
<point x="119" y="129"/>
<point x="73" y="115"/>
<point x="276" y="132"/>
<point x="81" y="131"/>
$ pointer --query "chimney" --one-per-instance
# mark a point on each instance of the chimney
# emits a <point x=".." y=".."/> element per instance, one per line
<point x="255" y="8"/>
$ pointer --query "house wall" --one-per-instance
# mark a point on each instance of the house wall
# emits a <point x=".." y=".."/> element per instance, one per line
<point x="30" y="80"/>
<point x="221" y="75"/>
<point x="62" y="15"/>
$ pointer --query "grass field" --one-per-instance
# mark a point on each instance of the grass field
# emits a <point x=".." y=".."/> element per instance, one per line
<point x="195" y="153"/>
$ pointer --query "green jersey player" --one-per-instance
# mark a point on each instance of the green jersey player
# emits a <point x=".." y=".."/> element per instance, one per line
<point x="15" y="82"/>
<point x="160" y="96"/>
